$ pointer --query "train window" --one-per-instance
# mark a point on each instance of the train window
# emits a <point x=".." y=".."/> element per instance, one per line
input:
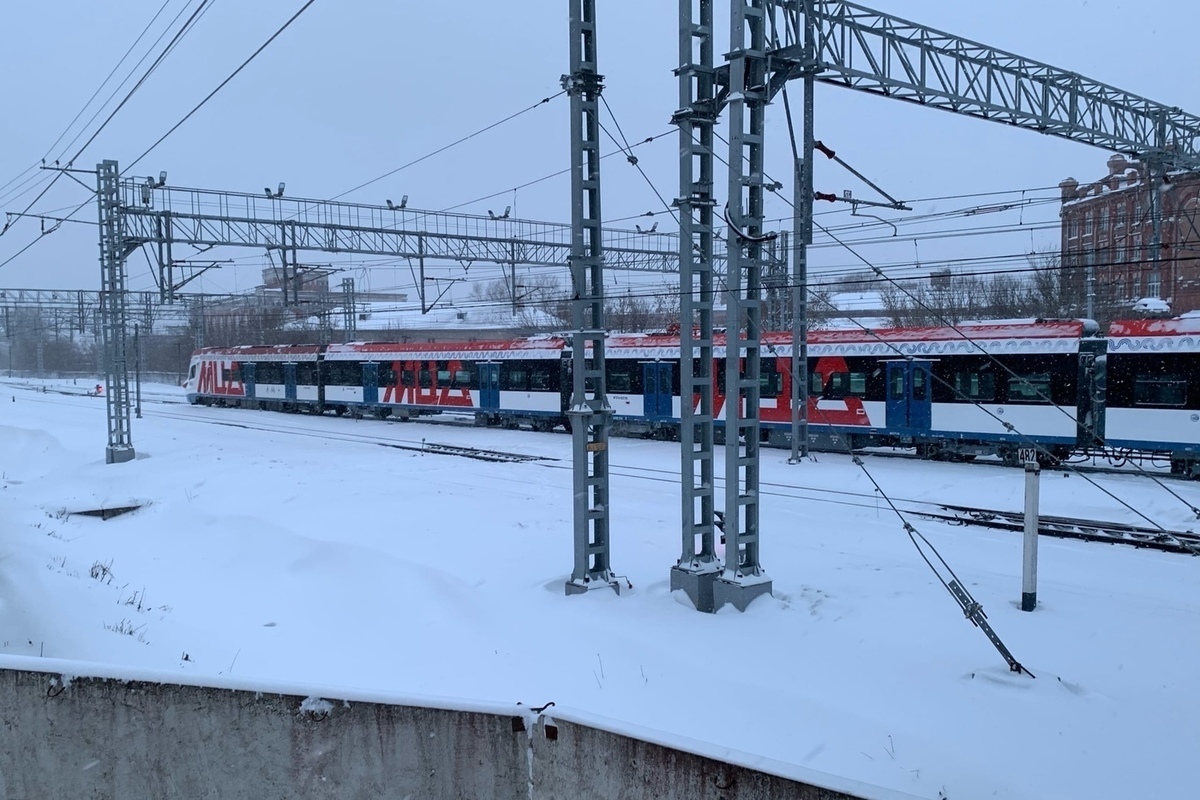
<point x="839" y="385"/>
<point x="268" y="372"/>
<point x="443" y="377"/>
<point x="816" y="384"/>
<point x="514" y="379"/>
<point x="620" y="380"/>
<point x="408" y="375"/>
<point x="1031" y="388"/>
<point x="539" y="379"/>
<point x="769" y="384"/>
<point x="462" y="378"/>
<point x="192" y="372"/>
<point x="919" y="378"/>
<point x="1160" y="390"/>
<point x="306" y="373"/>
<point x="975" y="386"/>
<point x="896" y="385"/>
<point x="386" y="375"/>
<point x="342" y="373"/>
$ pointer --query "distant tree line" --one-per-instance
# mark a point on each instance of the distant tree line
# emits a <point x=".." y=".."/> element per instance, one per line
<point x="1044" y="290"/>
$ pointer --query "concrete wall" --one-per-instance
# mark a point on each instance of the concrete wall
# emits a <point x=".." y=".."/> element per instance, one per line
<point x="107" y="738"/>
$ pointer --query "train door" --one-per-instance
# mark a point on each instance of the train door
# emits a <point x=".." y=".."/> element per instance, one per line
<point x="370" y="381"/>
<point x="248" y="379"/>
<point x="656" y="388"/>
<point x="909" y="401"/>
<point x="489" y="386"/>
<point x="289" y="382"/>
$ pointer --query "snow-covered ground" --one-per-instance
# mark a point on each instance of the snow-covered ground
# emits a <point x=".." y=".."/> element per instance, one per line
<point x="266" y="551"/>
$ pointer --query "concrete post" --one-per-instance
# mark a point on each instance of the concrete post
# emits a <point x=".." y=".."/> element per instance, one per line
<point x="1029" y="552"/>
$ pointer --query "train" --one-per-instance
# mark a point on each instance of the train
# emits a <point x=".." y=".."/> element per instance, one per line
<point x="987" y="388"/>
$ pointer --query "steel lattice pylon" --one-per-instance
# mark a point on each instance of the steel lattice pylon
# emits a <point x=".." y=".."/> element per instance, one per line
<point x="743" y="578"/>
<point x="698" y="564"/>
<point x="113" y="301"/>
<point x="589" y="410"/>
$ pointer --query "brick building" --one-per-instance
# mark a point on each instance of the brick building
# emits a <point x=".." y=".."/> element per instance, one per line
<point x="1108" y="225"/>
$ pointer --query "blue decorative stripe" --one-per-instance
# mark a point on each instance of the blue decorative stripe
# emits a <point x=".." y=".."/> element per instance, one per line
<point x="1153" y="344"/>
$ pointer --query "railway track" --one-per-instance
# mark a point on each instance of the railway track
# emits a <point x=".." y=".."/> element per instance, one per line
<point x="1088" y="530"/>
<point x="422" y="446"/>
<point x="1060" y="527"/>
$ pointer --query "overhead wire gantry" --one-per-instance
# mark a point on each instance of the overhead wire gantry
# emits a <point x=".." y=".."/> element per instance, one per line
<point x="834" y="42"/>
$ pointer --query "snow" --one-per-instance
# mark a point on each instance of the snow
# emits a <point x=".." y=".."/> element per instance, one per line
<point x="1152" y="305"/>
<point x="271" y="556"/>
<point x="401" y="316"/>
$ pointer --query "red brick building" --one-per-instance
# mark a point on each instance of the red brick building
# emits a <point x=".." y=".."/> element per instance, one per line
<point x="1108" y="225"/>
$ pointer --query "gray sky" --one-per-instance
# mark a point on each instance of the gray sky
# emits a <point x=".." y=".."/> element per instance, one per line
<point x="356" y="88"/>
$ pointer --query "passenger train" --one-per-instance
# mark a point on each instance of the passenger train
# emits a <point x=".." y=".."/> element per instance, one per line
<point x="987" y="388"/>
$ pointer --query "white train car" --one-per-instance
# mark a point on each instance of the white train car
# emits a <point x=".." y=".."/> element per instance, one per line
<point x="1153" y="389"/>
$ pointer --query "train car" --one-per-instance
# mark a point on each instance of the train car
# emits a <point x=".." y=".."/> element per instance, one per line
<point x="275" y="377"/>
<point x="979" y="388"/>
<point x="503" y="382"/>
<point x="1153" y="389"/>
<point x="955" y="392"/>
<point x="982" y="388"/>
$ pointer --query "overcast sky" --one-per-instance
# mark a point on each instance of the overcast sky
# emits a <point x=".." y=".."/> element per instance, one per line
<point x="356" y="88"/>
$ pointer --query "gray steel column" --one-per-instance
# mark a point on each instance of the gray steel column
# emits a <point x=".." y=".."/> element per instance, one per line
<point x="113" y="251"/>
<point x="590" y="412"/>
<point x="349" y="311"/>
<point x="803" y="223"/>
<point x="743" y="579"/>
<point x="698" y="564"/>
<point x="1154" y="171"/>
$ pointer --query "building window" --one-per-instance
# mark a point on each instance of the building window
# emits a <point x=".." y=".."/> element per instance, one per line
<point x="1153" y="285"/>
<point x="1120" y="217"/>
<point x="1073" y="228"/>
<point x="1103" y="221"/>
<point x="1121" y="290"/>
<point x="1087" y="224"/>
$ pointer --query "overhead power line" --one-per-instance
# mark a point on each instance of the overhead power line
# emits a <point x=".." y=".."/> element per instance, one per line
<point x="220" y="86"/>
<point x="108" y="77"/>
<point x="455" y="143"/>
<point x="204" y="4"/>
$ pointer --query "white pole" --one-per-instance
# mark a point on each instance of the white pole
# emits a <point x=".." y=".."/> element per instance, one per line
<point x="1029" y="552"/>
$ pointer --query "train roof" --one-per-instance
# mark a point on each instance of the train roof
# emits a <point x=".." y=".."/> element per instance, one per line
<point x="1029" y="336"/>
<point x="992" y="337"/>
<point x="500" y="349"/>
<point x="1178" y="335"/>
<point x="265" y="352"/>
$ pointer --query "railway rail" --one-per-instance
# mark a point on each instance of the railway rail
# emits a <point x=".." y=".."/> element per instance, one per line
<point x="960" y="515"/>
<point x="1069" y="528"/>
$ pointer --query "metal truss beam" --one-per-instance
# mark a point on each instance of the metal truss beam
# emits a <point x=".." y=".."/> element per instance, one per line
<point x="870" y="51"/>
<point x="589" y="410"/>
<point x="167" y="216"/>
<point x="698" y="564"/>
